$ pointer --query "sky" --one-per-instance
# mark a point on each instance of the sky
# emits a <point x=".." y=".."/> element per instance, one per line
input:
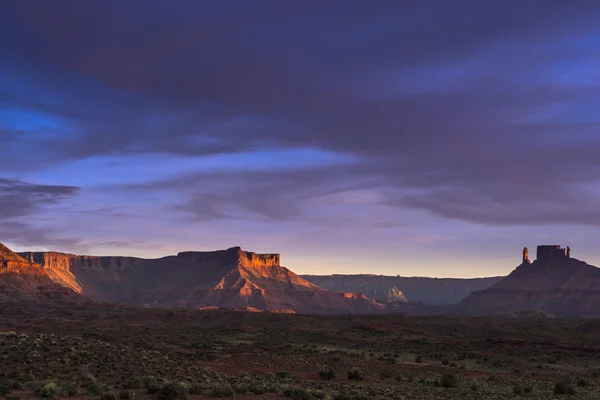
<point x="418" y="138"/>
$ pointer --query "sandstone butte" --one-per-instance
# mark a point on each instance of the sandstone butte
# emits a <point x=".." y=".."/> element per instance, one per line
<point x="231" y="279"/>
<point x="554" y="283"/>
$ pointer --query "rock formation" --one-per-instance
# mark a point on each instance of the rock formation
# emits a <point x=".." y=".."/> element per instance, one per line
<point x="232" y="279"/>
<point x="526" y="256"/>
<point x="21" y="279"/>
<point x="433" y="291"/>
<point x="553" y="283"/>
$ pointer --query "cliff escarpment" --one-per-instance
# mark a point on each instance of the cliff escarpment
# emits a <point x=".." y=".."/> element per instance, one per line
<point x="21" y="279"/>
<point x="232" y="278"/>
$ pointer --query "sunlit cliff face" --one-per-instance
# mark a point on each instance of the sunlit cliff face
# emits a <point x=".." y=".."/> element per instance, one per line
<point x="415" y="139"/>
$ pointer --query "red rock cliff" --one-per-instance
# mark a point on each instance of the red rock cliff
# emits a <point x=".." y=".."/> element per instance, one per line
<point x="231" y="278"/>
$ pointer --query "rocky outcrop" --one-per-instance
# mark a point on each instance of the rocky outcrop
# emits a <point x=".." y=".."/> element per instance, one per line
<point x="21" y="279"/>
<point x="394" y="295"/>
<point x="232" y="279"/>
<point x="432" y="291"/>
<point x="553" y="283"/>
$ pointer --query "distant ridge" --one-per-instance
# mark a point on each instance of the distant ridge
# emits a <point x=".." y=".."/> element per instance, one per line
<point x="432" y="291"/>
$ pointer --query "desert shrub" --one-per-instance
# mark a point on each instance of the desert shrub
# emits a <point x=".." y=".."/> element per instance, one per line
<point x="221" y="390"/>
<point x="453" y="365"/>
<point x="474" y="387"/>
<point x="154" y="387"/>
<point x="91" y="387"/>
<point x="517" y="389"/>
<point x="48" y="389"/>
<point x="445" y="361"/>
<point x="4" y="389"/>
<point x="257" y="388"/>
<point x="141" y="382"/>
<point x="173" y="391"/>
<point x="69" y="389"/>
<point x="108" y="396"/>
<point x="298" y="393"/>
<point x="124" y="395"/>
<point x="386" y="375"/>
<point x="241" y="389"/>
<point x="283" y="375"/>
<point x="355" y="396"/>
<point x="355" y="375"/>
<point x="197" y="388"/>
<point x="448" y="380"/>
<point x="581" y="382"/>
<point x="342" y="396"/>
<point x="419" y="359"/>
<point x="327" y="375"/>
<point x="564" y="386"/>
<point x="13" y="397"/>
<point x="16" y="385"/>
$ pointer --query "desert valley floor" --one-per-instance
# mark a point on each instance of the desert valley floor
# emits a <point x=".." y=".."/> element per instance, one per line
<point x="70" y="349"/>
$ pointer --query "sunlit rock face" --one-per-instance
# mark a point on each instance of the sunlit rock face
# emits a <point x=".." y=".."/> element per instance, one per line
<point x="232" y="279"/>
<point x="21" y="279"/>
<point x="555" y="283"/>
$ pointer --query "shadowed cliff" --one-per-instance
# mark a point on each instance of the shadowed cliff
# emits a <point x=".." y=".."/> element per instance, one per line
<point x="230" y="278"/>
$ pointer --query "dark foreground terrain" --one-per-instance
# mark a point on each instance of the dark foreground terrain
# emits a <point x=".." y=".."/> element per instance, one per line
<point x="110" y="352"/>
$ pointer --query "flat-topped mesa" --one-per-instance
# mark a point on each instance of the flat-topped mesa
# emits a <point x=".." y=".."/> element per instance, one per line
<point x="236" y="256"/>
<point x="552" y="253"/>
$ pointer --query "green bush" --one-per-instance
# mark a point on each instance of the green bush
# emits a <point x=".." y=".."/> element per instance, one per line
<point x="564" y="387"/>
<point x="355" y="375"/>
<point x="108" y="396"/>
<point x="327" y="375"/>
<point x="124" y="395"/>
<point x="445" y="361"/>
<point x="418" y="359"/>
<point x="13" y="397"/>
<point x="48" y="389"/>
<point x="448" y="380"/>
<point x="173" y="391"/>
<point x="283" y="375"/>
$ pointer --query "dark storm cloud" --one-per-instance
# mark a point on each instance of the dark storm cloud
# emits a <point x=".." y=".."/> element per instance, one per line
<point x="19" y="199"/>
<point x="482" y="111"/>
